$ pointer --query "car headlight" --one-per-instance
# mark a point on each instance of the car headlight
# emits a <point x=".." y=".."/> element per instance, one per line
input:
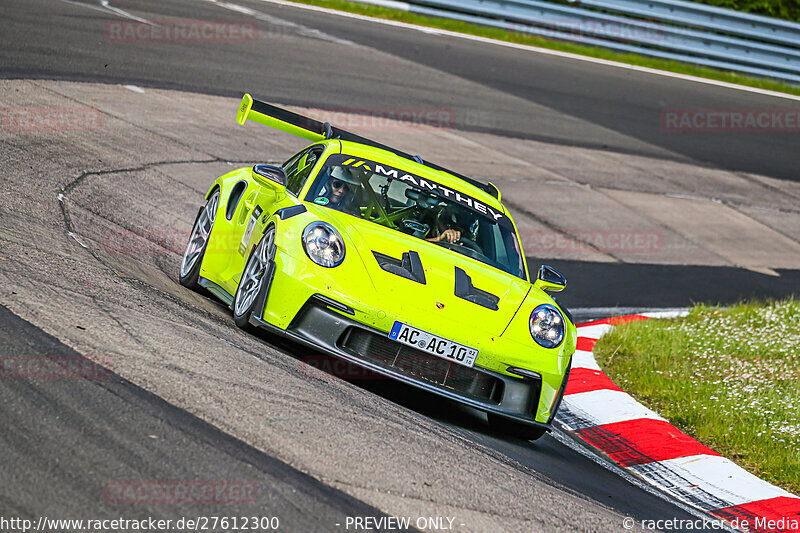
<point x="323" y="244"/>
<point x="547" y="326"/>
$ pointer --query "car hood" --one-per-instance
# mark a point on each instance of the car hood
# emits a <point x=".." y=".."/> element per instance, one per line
<point x="490" y="299"/>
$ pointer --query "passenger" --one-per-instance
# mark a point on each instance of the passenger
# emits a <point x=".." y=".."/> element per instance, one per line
<point x="341" y="190"/>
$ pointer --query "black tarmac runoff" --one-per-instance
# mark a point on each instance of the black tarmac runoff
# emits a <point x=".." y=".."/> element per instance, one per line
<point x="82" y="443"/>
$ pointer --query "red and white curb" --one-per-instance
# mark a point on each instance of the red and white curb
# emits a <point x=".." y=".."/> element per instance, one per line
<point x="598" y="412"/>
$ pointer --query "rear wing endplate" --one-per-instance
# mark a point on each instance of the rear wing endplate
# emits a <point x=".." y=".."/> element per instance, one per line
<point x="280" y="119"/>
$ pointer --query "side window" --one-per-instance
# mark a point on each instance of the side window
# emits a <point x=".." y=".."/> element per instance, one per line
<point x="395" y="192"/>
<point x="299" y="168"/>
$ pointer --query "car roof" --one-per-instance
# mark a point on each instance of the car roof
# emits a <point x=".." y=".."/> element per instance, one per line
<point x="441" y="176"/>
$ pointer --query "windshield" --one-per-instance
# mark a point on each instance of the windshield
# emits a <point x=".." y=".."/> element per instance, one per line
<point x="418" y="207"/>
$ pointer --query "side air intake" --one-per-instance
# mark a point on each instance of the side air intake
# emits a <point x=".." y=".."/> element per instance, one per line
<point x="409" y="266"/>
<point x="467" y="291"/>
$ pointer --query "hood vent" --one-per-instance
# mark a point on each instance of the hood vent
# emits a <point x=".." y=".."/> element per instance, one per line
<point x="409" y="266"/>
<point x="465" y="290"/>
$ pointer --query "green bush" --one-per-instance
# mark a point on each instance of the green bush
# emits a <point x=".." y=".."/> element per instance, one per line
<point x="782" y="9"/>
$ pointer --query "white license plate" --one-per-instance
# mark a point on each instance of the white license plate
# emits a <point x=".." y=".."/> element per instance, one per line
<point x="428" y="342"/>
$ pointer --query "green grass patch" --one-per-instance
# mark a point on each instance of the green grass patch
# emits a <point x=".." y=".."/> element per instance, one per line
<point x="730" y="378"/>
<point x="523" y="38"/>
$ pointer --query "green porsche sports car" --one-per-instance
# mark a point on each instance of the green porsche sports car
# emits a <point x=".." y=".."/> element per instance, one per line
<point x="389" y="262"/>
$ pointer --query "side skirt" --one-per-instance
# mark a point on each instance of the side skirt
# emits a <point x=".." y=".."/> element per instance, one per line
<point x="216" y="290"/>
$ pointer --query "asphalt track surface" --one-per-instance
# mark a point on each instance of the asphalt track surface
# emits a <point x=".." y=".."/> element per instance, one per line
<point x="113" y="430"/>
<point x="33" y="40"/>
<point x="669" y="286"/>
<point x="615" y="109"/>
<point x="391" y="447"/>
<point x="524" y="95"/>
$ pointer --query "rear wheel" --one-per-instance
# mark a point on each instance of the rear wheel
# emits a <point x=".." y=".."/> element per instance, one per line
<point x="198" y="242"/>
<point x="256" y="279"/>
<point x="514" y="429"/>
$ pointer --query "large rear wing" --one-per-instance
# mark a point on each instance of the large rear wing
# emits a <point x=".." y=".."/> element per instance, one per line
<point x="314" y="130"/>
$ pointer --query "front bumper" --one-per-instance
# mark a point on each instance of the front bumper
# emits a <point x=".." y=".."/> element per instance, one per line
<point x="296" y="281"/>
<point x="319" y="327"/>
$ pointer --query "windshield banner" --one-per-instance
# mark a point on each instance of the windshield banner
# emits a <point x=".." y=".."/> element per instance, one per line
<point x="425" y="184"/>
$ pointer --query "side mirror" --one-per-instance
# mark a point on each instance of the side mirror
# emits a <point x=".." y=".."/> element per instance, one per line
<point x="271" y="173"/>
<point x="550" y="279"/>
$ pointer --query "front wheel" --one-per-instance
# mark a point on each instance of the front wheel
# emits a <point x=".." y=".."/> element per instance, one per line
<point x="514" y="429"/>
<point x="256" y="279"/>
<point x="198" y="242"/>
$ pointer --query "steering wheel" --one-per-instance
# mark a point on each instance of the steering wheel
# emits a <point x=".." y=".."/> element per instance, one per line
<point x="469" y="248"/>
<point x="469" y="243"/>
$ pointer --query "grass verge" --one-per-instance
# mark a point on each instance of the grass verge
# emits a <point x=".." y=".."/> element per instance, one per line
<point x="730" y="378"/>
<point x="523" y="38"/>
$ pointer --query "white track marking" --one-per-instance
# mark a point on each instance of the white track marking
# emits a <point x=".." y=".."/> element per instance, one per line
<point x="582" y="359"/>
<point x="666" y="314"/>
<point x="62" y="198"/>
<point x="705" y="481"/>
<point x="401" y="6"/>
<point x="536" y="49"/>
<point x="608" y="407"/>
<point x="763" y="270"/>
<point x="77" y="239"/>
<point x="276" y="21"/>
<point x="81" y="4"/>
<point x="134" y="88"/>
<point x="716" y="475"/>
<point x="255" y="14"/>
<point x="594" y="332"/>
<point x="105" y="8"/>
<point x="123" y="13"/>
<point x="607" y="312"/>
<point x="561" y="434"/>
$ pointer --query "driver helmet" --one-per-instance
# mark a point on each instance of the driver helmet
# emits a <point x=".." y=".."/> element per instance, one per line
<point x="346" y="175"/>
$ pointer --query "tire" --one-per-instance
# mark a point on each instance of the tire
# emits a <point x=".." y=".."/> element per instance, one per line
<point x="192" y="259"/>
<point x="519" y="430"/>
<point x="256" y="279"/>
